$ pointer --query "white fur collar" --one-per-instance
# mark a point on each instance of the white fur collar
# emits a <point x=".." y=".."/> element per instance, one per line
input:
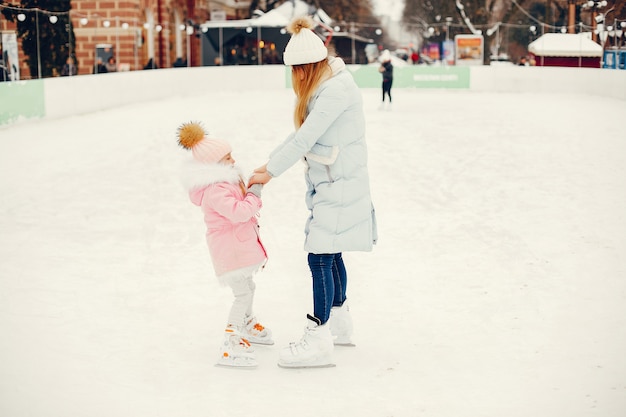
<point x="197" y="175"/>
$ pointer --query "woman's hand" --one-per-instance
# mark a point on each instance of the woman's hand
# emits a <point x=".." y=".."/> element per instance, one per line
<point x="260" y="176"/>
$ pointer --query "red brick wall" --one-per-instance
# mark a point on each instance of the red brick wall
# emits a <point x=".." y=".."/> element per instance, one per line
<point x="124" y="17"/>
<point x="130" y="53"/>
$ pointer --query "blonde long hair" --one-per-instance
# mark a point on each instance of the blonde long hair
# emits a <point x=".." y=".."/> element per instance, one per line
<point x="314" y="75"/>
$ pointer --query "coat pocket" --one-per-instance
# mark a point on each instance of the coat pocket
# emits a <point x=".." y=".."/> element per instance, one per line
<point x="323" y="154"/>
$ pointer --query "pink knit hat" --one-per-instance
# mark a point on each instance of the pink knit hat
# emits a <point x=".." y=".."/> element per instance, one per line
<point x="192" y="136"/>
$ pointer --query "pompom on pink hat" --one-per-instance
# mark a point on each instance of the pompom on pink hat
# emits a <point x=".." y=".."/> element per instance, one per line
<point x="192" y="136"/>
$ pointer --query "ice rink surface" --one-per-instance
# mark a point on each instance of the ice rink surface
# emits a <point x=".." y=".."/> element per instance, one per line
<point x="497" y="289"/>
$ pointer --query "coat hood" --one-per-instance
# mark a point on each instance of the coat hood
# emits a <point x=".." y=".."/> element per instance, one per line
<point x="336" y="64"/>
<point x="196" y="176"/>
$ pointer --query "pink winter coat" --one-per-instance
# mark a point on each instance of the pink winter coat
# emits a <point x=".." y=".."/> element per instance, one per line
<point x="229" y="213"/>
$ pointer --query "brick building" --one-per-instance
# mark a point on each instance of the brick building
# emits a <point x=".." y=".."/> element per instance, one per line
<point x="136" y="31"/>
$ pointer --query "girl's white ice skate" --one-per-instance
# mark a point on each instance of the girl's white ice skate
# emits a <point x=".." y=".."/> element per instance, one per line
<point x="255" y="332"/>
<point x="236" y="351"/>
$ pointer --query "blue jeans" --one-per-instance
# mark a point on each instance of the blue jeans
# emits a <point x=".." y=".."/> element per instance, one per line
<point x="329" y="283"/>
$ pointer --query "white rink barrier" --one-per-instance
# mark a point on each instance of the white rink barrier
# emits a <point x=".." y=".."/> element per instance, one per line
<point x="66" y="96"/>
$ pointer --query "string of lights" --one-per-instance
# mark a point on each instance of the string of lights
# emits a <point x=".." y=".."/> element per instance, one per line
<point x="113" y="26"/>
<point x="49" y="13"/>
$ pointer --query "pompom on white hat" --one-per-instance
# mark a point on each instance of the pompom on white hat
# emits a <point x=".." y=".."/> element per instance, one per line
<point x="304" y="47"/>
<point x="192" y="136"/>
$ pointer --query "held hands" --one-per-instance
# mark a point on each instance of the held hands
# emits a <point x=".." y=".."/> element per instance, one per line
<point x="260" y="176"/>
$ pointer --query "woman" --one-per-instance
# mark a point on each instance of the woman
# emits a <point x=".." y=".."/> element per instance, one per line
<point x="330" y="139"/>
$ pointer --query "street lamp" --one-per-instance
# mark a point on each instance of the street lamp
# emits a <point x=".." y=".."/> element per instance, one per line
<point x="38" y="49"/>
<point x="107" y="24"/>
<point x="595" y="19"/>
<point x="189" y="30"/>
<point x="605" y="29"/>
<point x="495" y="28"/>
<point x="352" y="30"/>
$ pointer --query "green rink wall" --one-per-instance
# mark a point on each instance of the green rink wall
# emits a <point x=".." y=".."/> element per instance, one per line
<point x="59" y="97"/>
<point x="367" y="76"/>
<point x="21" y="100"/>
<point x="414" y="77"/>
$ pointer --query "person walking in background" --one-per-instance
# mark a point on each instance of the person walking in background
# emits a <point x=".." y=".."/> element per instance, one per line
<point x="151" y="64"/>
<point x="386" y="69"/>
<point x="216" y="185"/>
<point x="69" y="68"/>
<point x="330" y="139"/>
<point x="99" y="67"/>
<point x="111" y="65"/>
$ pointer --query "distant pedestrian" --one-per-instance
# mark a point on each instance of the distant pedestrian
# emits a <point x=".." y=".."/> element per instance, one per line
<point x="151" y="65"/>
<point x="69" y="68"/>
<point x="386" y="69"/>
<point x="99" y="67"/>
<point x="111" y="65"/>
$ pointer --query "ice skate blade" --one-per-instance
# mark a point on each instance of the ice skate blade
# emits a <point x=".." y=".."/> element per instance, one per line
<point x="238" y="363"/>
<point x="304" y="366"/>
<point x="260" y="342"/>
<point x="343" y="341"/>
<point x="242" y="367"/>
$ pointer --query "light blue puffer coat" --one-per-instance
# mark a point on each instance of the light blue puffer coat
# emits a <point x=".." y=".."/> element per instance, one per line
<point x="331" y="141"/>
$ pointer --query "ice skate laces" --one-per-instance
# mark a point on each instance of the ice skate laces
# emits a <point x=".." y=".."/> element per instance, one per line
<point x="301" y="345"/>
<point x="236" y="339"/>
<point x="254" y="327"/>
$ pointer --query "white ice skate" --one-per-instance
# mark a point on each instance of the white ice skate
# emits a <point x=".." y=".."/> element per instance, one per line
<point x="236" y="351"/>
<point x="341" y="325"/>
<point x="314" y="350"/>
<point x="255" y="332"/>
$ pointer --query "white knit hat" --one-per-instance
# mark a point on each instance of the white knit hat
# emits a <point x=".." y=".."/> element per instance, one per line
<point x="203" y="148"/>
<point x="304" y="47"/>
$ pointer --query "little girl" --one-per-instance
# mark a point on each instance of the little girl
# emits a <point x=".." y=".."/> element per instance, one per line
<point x="216" y="185"/>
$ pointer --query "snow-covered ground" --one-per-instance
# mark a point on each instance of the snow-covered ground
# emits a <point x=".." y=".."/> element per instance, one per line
<point x="498" y="287"/>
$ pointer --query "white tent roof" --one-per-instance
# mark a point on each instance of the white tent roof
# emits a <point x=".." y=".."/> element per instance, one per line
<point x="283" y="14"/>
<point x="278" y="17"/>
<point x="565" y="44"/>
